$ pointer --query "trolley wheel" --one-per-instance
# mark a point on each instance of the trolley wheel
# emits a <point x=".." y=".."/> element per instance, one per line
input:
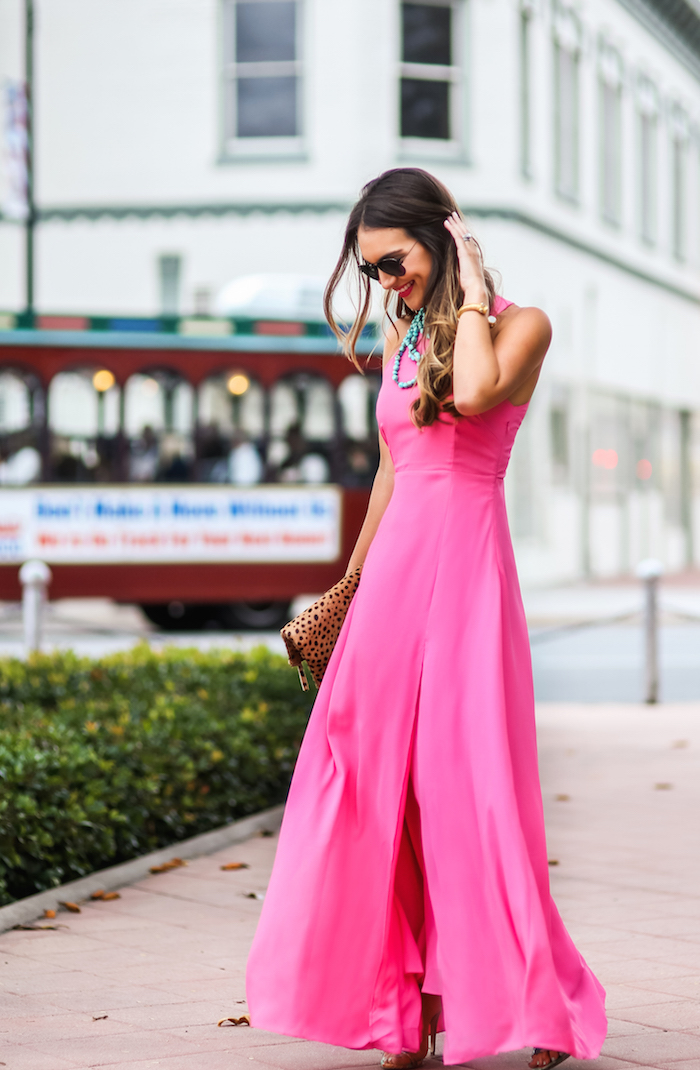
<point x="252" y="616"/>
<point x="181" y="616"/>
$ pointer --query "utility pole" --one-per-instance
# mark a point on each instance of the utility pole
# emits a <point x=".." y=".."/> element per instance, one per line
<point x="30" y="221"/>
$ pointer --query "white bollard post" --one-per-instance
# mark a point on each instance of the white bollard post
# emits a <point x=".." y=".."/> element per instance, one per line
<point x="35" y="577"/>
<point x="649" y="572"/>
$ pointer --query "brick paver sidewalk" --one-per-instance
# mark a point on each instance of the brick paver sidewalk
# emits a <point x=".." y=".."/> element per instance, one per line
<point x="139" y="982"/>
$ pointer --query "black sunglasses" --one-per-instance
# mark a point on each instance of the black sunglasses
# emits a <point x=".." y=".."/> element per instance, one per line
<point x="390" y="265"/>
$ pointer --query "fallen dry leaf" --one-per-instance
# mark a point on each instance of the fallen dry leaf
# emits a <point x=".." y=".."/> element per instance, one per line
<point x="98" y="895"/>
<point x="552" y="861"/>
<point x="73" y="907"/>
<point x="243" y="1020"/>
<point x="235" y="865"/>
<point x="110" y="895"/>
<point x="49" y="913"/>
<point x="266" y="832"/>
<point x="99" y="1017"/>
<point x="562" y="798"/>
<point x="172" y="864"/>
<point x="35" y="928"/>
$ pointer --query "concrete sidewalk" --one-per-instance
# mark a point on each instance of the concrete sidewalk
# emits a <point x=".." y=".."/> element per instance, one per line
<point x="139" y="982"/>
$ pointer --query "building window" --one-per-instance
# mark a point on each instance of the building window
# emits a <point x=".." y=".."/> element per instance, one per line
<point x="429" y="88"/>
<point x="647" y="154"/>
<point x="525" y="88"/>
<point x="610" y="95"/>
<point x="525" y="489"/>
<point x="566" y="104"/>
<point x="559" y="438"/>
<point x="169" y="276"/>
<point x="679" y="164"/>
<point x="262" y="71"/>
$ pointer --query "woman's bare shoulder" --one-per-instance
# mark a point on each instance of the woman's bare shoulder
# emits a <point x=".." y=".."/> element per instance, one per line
<point x="516" y="319"/>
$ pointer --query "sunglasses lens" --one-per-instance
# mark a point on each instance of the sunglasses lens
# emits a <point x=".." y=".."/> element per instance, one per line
<point x="370" y="270"/>
<point x="390" y="266"/>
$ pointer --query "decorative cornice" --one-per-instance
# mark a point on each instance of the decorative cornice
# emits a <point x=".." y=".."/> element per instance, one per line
<point x="70" y="213"/>
<point x="527" y="220"/>
<point x="676" y="23"/>
<point x="513" y="215"/>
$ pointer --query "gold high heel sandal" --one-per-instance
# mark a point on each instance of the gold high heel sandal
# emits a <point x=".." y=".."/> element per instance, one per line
<point x="408" y="1060"/>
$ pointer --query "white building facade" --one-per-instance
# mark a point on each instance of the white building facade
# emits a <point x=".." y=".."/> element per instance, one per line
<point x="183" y="143"/>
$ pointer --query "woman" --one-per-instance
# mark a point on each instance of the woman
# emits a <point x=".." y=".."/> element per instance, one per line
<point x="411" y="889"/>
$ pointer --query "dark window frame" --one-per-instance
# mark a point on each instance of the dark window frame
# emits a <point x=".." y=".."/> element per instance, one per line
<point x="526" y="16"/>
<point x="243" y="145"/>
<point x="451" y="75"/>
<point x="610" y="133"/>
<point x="567" y="76"/>
<point x="567" y="128"/>
<point x="647" y="150"/>
<point x="679" y="161"/>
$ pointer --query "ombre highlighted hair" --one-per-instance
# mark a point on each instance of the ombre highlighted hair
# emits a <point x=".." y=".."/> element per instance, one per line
<point x="409" y="199"/>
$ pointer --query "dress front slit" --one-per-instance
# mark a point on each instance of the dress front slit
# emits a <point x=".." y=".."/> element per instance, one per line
<point x="411" y="888"/>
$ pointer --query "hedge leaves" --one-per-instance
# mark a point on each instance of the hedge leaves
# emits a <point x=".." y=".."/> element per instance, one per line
<point x="101" y="761"/>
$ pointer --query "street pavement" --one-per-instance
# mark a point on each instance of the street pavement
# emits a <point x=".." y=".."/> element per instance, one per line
<point x="582" y="651"/>
<point x="139" y="982"/>
<point x="588" y="644"/>
<point x="94" y="627"/>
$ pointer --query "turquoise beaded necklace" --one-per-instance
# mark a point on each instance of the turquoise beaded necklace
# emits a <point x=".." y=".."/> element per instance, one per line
<point x="409" y="346"/>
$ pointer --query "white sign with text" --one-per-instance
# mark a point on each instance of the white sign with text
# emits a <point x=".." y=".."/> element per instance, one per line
<point x="100" y="525"/>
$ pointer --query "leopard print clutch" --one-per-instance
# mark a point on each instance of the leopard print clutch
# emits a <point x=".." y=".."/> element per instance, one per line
<point x="311" y="636"/>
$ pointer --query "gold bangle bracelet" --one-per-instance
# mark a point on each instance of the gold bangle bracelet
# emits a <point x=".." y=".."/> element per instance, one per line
<point x="482" y="309"/>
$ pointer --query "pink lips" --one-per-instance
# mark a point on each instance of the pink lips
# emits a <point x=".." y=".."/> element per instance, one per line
<point x="405" y="291"/>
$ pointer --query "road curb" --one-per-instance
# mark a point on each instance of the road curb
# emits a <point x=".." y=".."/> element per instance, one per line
<point x="31" y="908"/>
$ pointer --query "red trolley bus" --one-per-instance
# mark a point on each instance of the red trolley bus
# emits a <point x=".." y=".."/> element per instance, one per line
<point x="209" y="470"/>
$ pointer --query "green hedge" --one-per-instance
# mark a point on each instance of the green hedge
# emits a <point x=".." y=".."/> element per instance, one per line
<point x="104" y="760"/>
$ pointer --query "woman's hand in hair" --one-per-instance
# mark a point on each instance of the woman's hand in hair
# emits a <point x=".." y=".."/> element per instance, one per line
<point x="471" y="271"/>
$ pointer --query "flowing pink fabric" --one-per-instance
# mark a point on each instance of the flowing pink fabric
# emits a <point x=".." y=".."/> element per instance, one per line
<point x="412" y="849"/>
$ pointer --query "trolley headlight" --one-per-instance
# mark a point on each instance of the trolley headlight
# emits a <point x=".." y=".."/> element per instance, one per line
<point x="103" y="380"/>
<point x="237" y="383"/>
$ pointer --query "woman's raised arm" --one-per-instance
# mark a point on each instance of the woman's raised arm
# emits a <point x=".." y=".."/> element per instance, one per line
<point x="492" y="364"/>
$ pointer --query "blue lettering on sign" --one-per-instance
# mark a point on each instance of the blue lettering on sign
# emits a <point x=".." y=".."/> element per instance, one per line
<point x="121" y="510"/>
<point x="261" y="509"/>
<point x="241" y="508"/>
<point x="183" y="509"/>
<point x="47" y="509"/>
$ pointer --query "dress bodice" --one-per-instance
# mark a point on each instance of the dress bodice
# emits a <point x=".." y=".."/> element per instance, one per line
<point x="479" y="446"/>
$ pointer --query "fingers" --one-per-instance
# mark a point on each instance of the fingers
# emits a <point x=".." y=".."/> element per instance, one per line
<point x="458" y="229"/>
<point x="468" y="253"/>
<point x="456" y="225"/>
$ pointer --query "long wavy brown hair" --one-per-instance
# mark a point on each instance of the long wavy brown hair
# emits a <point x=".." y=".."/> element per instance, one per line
<point x="410" y="199"/>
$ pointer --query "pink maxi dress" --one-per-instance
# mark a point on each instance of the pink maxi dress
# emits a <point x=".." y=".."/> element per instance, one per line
<point x="412" y="852"/>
